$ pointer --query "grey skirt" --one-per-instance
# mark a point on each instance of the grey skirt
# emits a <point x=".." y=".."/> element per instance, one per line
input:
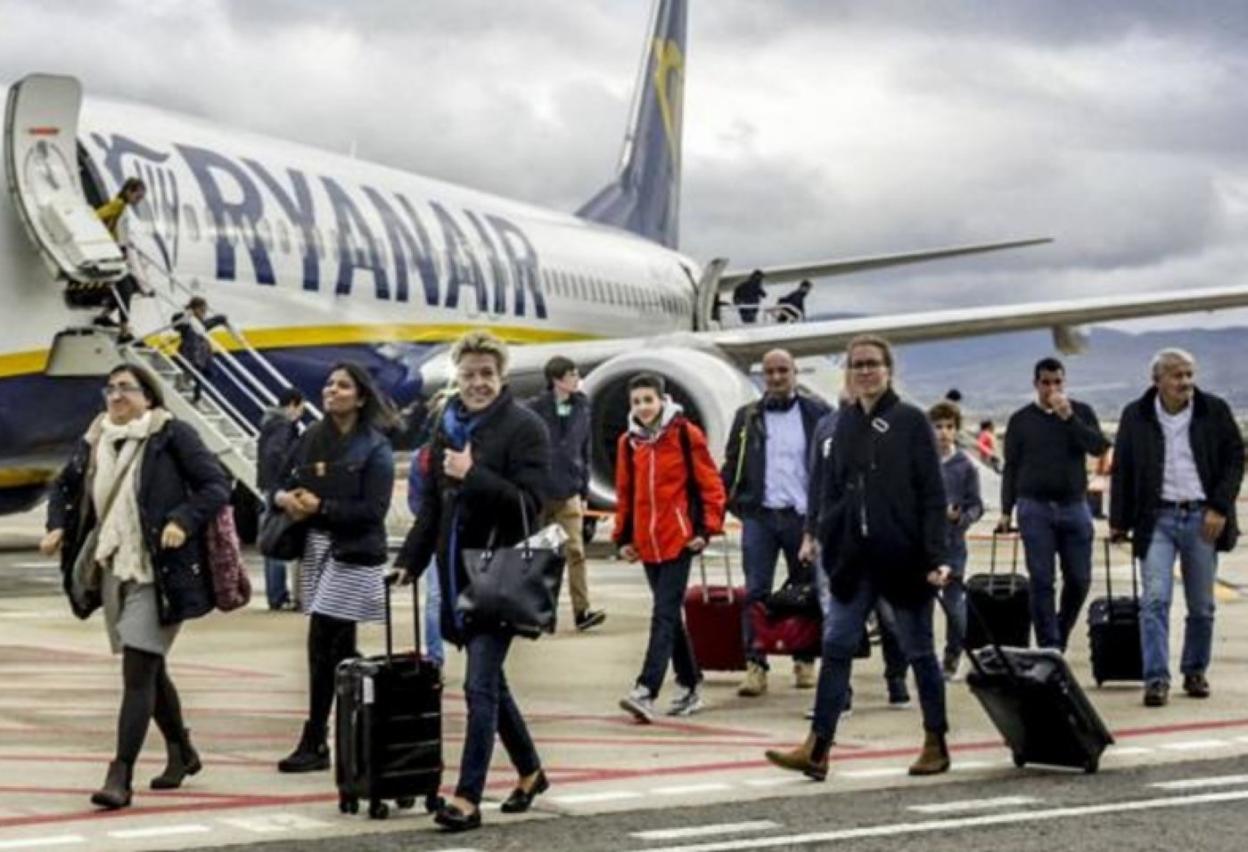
<point x="132" y="619"/>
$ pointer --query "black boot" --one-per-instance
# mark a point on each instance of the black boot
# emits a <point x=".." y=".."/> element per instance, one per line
<point x="311" y="755"/>
<point x="116" y="791"/>
<point x="182" y="761"/>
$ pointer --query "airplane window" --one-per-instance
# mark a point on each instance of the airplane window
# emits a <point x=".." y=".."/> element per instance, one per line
<point x="192" y="222"/>
<point x="283" y="236"/>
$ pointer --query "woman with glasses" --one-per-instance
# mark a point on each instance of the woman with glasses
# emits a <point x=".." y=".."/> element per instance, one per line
<point x="126" y="515"/>
<point x="336" y="486"/>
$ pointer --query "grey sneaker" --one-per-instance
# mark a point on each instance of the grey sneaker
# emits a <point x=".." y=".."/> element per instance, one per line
<point x="640" y="703"/>
<point x="687" y="702"/>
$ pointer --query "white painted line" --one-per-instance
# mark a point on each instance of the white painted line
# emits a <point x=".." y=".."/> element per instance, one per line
<point x="271" y="823"/>
<point x="1130" y="750"/>
<point x="159" y="831"/>
<point x="964" y="765"/>
<point x="689" y="789"/>
<point x="885" y="772"/>
<point x="707" y="830"/>
<point x="973" y="805"/>
<point x="43" y="842"/>
<point x="1196" y="783"/>
<point x="1194" y="745"/>
<point x="591" y="798"/>
<point x="1241" y="739"/>
<point x="782" y="781"/>
<point x="930" y="826"/>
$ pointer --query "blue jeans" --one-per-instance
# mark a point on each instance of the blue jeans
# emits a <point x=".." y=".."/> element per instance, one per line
<point x="433" y="615"/>
<point x="895" y="663"/>
<point x="1177" y="534"/>
<point x="841" y="635"/>
<point x="764" y="536"/>
<point x="1051" y="531"/>
<point x="491" y="708"/>
<point x="954" y="596"/>
<point x="275" y="582"/>
<point x="669" y="641"/>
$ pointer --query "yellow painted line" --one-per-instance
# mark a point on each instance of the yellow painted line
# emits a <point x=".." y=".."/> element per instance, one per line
<point x="18" y="477"/>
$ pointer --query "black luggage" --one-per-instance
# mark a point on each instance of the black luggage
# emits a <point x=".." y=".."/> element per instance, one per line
<point x="1037" y="705"/>
<point x="388" y="730"/>
<point x="1003" y="601"/>
<point x="1114" y="632"/>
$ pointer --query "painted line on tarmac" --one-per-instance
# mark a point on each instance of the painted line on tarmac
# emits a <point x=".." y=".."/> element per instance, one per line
<point x="1127" y="751"/>
<point x="974" y="805"/>
<point x="594" y="798"/>
<point x="43" y="842"/>
<point x="707" y="830"/>
<point x="159" y="831"/>
<point x="931" y="826"/>
<point x="782" y="781"/>
<point x="690" y="789"/>
<point x="882" y="772"/>
<point x="1196" y="783"/>
<point x="1194" y="745"/>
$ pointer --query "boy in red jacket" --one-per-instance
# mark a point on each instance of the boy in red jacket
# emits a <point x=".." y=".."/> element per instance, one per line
<point x="669" y="502"/>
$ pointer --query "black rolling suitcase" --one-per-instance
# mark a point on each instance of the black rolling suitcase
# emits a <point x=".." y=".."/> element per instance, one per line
<point x="388" y="730"/>
<point x="1037" y="705"/>
<point x="1114" y="632"/>
<point x="1004" y="602"/>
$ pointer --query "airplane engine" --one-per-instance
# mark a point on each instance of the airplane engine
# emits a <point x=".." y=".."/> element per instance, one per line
<point x="1071" y="339"/>
<point x="708" y="387"/>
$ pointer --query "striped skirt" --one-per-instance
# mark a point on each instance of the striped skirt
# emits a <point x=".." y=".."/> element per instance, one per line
<point x="338" y="589"/>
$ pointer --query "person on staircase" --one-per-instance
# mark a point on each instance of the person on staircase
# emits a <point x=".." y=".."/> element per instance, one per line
<point x="195" y="348"/>
<point x="113" y="216"/>
<point x="126" y="515"/>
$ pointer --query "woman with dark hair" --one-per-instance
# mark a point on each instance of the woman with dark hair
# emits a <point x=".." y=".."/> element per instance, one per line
<point x="337" y="483"/>
<point x="126" y="515"/>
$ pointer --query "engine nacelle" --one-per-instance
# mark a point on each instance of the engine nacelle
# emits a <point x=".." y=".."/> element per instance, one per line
<point x="1071" y="339"/>
<point x="708" y="387"/>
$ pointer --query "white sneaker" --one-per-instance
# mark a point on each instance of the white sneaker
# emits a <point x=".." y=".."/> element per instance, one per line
<point x="640" y="703"/>
<point x="687" y="702"/>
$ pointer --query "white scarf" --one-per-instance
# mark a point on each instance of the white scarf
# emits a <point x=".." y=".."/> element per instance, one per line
<point x="121" y="532"/>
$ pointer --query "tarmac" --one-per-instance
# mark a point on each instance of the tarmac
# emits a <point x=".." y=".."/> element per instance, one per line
<point x="243" y="684"/>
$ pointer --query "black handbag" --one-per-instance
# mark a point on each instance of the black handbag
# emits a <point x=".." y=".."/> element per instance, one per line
<point x="281" y="536"/>
<point x="794" y="598"/>
<point x="512" y="588"/>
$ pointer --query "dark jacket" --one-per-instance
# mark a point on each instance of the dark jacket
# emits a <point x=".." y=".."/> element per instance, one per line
<point x="1046" y="457"/>
<point x="510" y="458"/>
<point x="569" y="445"/>
<point x="961" y="490"/>
<point x="180" y="480"/>
<point x="883" y="518"/>
<point x="356" y="494"/>
<point x="744" y="471"/>
<point x="819" y="451"/>
<point x="277" y="436"/>
<point x="1139" y="460"/>
<point x="193" y="346"/>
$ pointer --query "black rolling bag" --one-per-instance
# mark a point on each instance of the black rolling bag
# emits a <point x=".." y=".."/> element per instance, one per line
<point x="388" y="730"/>
<point x="1003" y="600"/>
<point x="1114" y="632"/>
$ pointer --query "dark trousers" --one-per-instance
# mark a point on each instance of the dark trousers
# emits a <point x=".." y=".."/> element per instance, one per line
<point x="1056" y="532"/>
<point x="491" y="709"/>
<point x="669" y="641"/>
<point x="330" y="641"/>
<point x="149" y="694"/>
<point x="764" y="536"/>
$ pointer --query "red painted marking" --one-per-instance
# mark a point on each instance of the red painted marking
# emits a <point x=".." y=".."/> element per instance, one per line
<point x="43" y="131"/>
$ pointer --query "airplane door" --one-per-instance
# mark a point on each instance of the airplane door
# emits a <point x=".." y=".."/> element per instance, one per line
<point x="41" y="166"/>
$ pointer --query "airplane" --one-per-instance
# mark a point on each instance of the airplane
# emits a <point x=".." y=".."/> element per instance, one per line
<point x="318" y="257"/>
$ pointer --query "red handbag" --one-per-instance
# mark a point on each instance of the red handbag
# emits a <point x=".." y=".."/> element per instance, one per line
<point x="789" y="634"/>
<point x="230" y="584"/>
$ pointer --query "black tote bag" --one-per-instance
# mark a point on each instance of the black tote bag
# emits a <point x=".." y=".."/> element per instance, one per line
<point x="512" y="588"/>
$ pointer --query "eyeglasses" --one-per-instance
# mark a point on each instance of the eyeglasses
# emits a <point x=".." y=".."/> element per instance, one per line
<point x="865" y="365"/>
<point x="119" y="390"/>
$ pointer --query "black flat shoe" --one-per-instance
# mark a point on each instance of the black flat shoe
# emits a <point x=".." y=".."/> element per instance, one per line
<point x="453" y="819"/>
<point x="519" y="801"/>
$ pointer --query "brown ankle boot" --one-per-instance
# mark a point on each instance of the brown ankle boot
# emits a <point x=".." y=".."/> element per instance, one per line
<point x="182" y="761"/>
<point x="116" y="791"/>
<point x="934" y="759"/>
<point x="810" y="758"/>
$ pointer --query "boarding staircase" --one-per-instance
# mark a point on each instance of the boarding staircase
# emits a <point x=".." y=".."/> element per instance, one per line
<point x="232" y="402"/>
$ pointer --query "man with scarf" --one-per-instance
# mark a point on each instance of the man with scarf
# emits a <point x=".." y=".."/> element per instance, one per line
<point x="765" y="474"/>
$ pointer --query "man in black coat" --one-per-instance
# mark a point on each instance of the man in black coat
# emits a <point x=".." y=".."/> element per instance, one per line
<point x="278" y="431"/>
<point x="766" y="476"/>
<point x="565" y="411"/>
<point x="1047" y="443"/>
<point x="748" y="295"/>
<point x="1178" y="466"/>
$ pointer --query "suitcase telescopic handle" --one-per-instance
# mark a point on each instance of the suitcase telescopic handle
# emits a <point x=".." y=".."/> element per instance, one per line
<point x="973" y="610"/>
<point x="706" y="589"/>
<point x="1109" y="588"/>
<point x="992" y="560"/>
<point x="390" y="580"/>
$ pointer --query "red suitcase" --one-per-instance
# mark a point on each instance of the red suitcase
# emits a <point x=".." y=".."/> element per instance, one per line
<point x="713" y="619"/>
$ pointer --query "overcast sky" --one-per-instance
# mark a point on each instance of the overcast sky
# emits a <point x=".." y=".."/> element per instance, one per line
<point x="812" y="129"/>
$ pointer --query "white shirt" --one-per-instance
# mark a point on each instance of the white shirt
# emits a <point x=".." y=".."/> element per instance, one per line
<point x="1180" y="480"/>
<point x="785" y="474"/>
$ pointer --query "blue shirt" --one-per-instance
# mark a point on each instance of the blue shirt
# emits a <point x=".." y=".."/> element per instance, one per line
<point x="786" y="474"/>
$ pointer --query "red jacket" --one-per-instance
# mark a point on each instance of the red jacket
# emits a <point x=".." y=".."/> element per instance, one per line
<point x="653" y="511"/>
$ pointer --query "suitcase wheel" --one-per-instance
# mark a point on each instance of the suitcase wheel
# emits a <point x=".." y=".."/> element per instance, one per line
<point x="348" y="805"/>
<point x="378" y="809"/>
<point x="433" y="803"/>
<point x="405" y="802"/>
<point x="1092" y="764"/>
<point x="1019" y="760"/>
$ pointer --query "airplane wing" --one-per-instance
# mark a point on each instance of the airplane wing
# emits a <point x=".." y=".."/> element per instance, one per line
<point x="825" y="268"/>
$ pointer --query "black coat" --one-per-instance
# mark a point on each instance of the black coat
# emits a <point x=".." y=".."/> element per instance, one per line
<point x="510" y="457"/>
<point x="180" y="480"/>
<point x="569" y="445"/>
<point x="1139" y="460"/>
<point x="883" y="514"/>
<point x="354" y="511"/>
<point x="744" y="471"/>
<point x="278" y="434"/>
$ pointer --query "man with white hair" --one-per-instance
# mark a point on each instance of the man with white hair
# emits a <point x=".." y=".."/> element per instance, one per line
<point x="1178" y="465"/>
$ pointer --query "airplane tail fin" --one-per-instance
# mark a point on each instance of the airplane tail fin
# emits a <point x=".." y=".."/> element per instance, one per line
<point x="645" y="196"/>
